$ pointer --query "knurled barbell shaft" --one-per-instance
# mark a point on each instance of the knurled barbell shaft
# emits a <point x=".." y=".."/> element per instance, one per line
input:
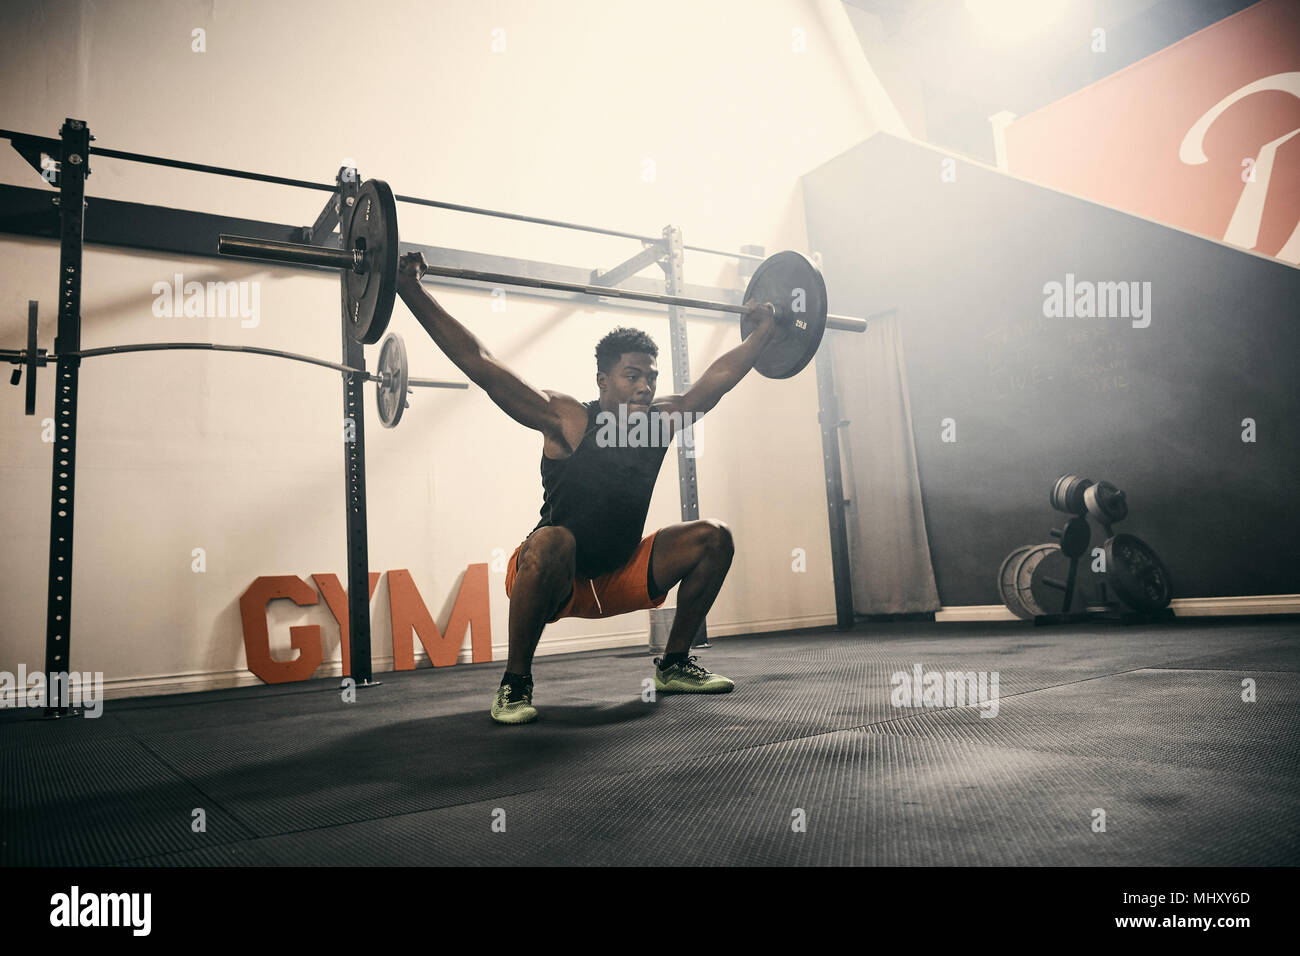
<point x="503" y="278"/>
<point x="306" y="254"/>
<point x="846" y="323"/>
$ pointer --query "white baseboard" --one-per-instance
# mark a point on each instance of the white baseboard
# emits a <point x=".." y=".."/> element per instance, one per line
<point x="975" y="612"/>
<point x="159" y="685"/>
<point x="1225" y="606"/>
<point x="1183" y="607"/>
<point x="1264" y="604"/>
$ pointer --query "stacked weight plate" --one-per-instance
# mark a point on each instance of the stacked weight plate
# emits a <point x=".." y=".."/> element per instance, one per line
<point x="1029" y="578"/>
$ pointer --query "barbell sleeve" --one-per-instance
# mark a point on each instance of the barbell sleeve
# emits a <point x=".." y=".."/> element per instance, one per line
<point x="434" y="383"/>
<point x="298" y="253"/>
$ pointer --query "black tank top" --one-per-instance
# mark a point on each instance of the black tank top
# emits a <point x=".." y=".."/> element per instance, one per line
<point x="602" y="495"/>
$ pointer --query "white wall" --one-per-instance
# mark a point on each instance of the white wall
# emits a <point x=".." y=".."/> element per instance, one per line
<point x="240" y="455"/>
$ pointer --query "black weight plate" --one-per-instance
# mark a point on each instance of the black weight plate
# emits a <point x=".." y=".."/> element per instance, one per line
<point x="390" y="386"/>
<point x="1007" y="583"/>
<point x="1136" y="574"/>
<point x="29" y="404"/>
<point x="368" y="296"/>
<point x="789" y="282"/>
<point x="1075" y="537"/>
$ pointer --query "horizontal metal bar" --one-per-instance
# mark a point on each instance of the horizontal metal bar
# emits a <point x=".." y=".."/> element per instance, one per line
<point x="519" y="217"/>
<point x="845" y="323"/>
<point x="302" y="254"/>
<point x="434" y="383"/>
<point x="212" y="347"/>
<point x="723" y="252"/>
<point x="563" y="224"/>
<point x="19" y="355"/>
<point x="204" y="168"/>
<point x="25" y="211"/>
<point x="502" y="278"/>
<point x="329" y="187"/>
<point x="294" y="252"/>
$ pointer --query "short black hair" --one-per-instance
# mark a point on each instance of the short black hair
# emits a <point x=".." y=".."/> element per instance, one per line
<point x="612" y="347"/>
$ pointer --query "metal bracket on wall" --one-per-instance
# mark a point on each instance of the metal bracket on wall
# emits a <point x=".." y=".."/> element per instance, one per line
<point x="35" y="148"/>
<point x="653" y="252"/>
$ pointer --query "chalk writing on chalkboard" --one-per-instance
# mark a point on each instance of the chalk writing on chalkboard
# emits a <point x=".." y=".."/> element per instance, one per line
<point x="1027" y="356"/>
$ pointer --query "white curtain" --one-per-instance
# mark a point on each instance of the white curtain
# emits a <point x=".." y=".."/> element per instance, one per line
<point x="889" y="551"/>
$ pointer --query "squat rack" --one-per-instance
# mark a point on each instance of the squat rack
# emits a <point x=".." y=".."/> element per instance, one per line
<point x="64" y="163"/>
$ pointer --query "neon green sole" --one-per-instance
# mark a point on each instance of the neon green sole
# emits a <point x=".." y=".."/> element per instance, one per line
<point x="519" y="713"/>
<point x="714" y="684"/>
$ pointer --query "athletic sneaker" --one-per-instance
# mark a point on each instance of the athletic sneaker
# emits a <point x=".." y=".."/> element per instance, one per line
<point x="688" y="677"/>
<point x="514" y="704"/>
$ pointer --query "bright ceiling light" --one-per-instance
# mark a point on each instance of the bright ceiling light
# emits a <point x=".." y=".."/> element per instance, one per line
<point x="1014" y="19"/>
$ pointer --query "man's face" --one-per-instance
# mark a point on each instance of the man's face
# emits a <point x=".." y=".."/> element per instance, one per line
<point x="631" y="382"/>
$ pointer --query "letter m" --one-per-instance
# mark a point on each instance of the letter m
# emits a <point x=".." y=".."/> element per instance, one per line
<point x="1115" y="295"/>
<point x="219" y="294"/>
<point x="470" y="610"/>
<point x="962" y="688"/>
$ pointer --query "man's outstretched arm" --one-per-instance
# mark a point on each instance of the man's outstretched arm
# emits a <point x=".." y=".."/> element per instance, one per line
<point x="728" y="369"/>
<point x="547" y="412"/>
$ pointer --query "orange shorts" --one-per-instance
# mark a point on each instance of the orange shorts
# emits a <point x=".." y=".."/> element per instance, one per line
<point x="618" y="592"/>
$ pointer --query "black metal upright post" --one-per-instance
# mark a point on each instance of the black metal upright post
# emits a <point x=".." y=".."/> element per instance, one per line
<point x="675" y="282"/>
<point x="74" y="167"/>
<point x="828" y="414"/>
<point x="354" y="466"/>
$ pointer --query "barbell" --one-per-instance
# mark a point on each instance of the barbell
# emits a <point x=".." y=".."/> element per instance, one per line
<point x="370" y="255"/>
<point x="392" y="378"/>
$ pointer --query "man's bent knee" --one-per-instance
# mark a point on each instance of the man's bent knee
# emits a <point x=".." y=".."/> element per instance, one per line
<point x="718" y="537"/>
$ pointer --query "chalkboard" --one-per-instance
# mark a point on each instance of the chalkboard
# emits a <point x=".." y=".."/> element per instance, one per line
<point x="1154" y="404"/>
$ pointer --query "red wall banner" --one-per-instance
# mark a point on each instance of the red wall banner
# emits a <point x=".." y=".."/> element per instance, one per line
<point x="1204" y="135"/>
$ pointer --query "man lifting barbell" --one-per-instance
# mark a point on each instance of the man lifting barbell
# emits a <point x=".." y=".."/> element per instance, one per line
<point x="587" y="557"/>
